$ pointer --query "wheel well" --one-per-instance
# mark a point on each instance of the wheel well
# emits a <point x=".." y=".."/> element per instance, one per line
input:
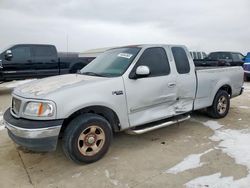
<point x="105" y="112"/>
<point x="227" y="88"/>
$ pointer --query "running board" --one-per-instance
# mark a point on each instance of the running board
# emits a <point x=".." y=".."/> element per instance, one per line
<point x="151" y="127"/>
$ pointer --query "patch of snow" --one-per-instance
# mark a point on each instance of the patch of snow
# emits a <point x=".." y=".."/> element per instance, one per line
<point x="17" y="83"/>
<point x="214" y="125"/>
<point x="77" y="175"/>
<point x="190" y="162"/>
<point x="216" y="181"/>
<point x="234" y="143"/>
<point x="1" y="121"/>
<point x="113" y="181"/>
<point x="244" y="107"/>
<point x="239" y="119"/>
<point x="246" y="88"/>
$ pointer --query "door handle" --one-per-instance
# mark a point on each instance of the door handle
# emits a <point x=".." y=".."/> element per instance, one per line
<point x="171" y="85"/>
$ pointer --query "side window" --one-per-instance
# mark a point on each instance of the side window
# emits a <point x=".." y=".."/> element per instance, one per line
<point x="44" y="51"/>
<point x="199" y="55"/>
<point x="204" y="55"/>
<point x="157" y="61"/>
<point x="21" y="52"/>
<point x="235" y="57"/>
<point x="181" y="60"/>
<point x="195" y="55"/>
<point x="191" y="53"/>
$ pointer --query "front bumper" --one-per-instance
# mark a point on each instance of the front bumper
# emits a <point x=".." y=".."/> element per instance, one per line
<point x="34" y="135"/>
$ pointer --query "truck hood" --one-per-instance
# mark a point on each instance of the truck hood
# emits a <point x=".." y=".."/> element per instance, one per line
<point x="42" y="87"/>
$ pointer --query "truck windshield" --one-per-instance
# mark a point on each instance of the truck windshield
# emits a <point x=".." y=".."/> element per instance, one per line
<point x="112" y="63"/>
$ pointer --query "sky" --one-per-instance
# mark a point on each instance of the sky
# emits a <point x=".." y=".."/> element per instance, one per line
<point x="79" y="25"/>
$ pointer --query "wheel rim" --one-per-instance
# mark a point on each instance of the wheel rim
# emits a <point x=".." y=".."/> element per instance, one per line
<point x="222" y="105"/>
<point x="91" y="140"/>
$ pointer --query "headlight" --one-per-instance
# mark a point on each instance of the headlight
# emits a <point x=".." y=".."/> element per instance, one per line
<point x="39" y="109"/>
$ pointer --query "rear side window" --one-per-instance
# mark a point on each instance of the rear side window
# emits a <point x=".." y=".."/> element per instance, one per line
<point x="44" y="51"/>
<point x="236" y="57"/>
<point x="21" y="52"/>
<point x="157" y="61"/>
<point x="181" y="60"/>
<point x="204" y="55"/>
<point x="199" y="55"/>
<point x="219" y="55"/>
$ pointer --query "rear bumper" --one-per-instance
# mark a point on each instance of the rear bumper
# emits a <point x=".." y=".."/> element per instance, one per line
<point x="34" y="135"/>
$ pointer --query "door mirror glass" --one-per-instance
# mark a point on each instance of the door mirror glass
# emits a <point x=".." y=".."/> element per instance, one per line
<point x="142" y="71"/>
<point x="8" y="55"/>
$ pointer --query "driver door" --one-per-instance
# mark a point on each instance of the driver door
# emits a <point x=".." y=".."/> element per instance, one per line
<point x="20" y="66"/>
<point x="153" y="97"/>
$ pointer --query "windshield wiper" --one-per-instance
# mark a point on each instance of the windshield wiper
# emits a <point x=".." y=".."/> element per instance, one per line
<point x="92" y="74"/>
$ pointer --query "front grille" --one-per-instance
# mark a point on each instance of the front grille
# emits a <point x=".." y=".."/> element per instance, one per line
<point x="16" y="105"/>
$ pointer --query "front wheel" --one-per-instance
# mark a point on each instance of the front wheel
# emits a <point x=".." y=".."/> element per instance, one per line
<point x="220" y="106"/>
<point x="87" y="138"/>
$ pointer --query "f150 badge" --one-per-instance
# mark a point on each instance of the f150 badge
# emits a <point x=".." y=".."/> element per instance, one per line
<point x="117" y="92"/>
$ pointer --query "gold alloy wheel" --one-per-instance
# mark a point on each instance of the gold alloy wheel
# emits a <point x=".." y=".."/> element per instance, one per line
<point x="91" y="140"/>
<point x="222" y="105"/>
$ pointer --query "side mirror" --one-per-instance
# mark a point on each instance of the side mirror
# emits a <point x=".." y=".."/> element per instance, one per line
<point x="142" y="71"/>
<point x="8" y="55"/>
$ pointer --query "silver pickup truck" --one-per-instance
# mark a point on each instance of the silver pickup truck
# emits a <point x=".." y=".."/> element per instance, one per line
<point x="135" y="89"/>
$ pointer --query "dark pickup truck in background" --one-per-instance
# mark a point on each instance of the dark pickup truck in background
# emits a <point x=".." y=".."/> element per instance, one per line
<point x="24" y="61"/>
<point x="221" y="59"/>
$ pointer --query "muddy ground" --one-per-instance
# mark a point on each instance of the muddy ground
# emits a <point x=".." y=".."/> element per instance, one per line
<point x="200" y="152"/>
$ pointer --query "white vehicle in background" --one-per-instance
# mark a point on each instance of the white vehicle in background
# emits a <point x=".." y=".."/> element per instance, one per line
<point x="135" y="89"/>
<point x="198" y="55"/>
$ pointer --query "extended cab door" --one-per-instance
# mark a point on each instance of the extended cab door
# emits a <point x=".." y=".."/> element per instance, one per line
<point x="153" y="97"/>
<point x="45" y="58"/>
<point x="186" y="80"/>
<point x="20" y="65"/>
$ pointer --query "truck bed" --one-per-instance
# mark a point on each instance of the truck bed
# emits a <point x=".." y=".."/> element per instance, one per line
<point x="209" y="81"/>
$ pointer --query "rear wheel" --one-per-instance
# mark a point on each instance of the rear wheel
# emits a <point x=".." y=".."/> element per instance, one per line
<point x="87" y="138"/>
<point x="220" y="106"/>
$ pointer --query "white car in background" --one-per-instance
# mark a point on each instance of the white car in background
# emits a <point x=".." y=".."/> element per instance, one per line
<point x="198" y="55"/>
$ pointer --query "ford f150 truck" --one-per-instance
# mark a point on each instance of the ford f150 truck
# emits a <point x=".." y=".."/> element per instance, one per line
<point x="135" y="89"/>
<point x="23" y="61"/>
<point x="221" y="59"/>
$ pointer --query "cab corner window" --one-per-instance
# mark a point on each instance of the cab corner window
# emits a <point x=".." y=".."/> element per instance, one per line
<point x="181" y="60"/>
<point x="44" y="51"/>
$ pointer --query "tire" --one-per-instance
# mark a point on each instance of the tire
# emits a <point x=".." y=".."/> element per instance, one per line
<point x="248" y="78"/>
<point x="220" y="106"/>
<point x="87" y="138"/>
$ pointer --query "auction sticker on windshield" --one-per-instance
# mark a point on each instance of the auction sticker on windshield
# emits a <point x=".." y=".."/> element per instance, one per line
<point x="125" y="55"/>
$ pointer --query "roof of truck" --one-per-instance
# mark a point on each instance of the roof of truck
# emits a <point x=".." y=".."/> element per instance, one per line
<point x="98" y="51"/>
